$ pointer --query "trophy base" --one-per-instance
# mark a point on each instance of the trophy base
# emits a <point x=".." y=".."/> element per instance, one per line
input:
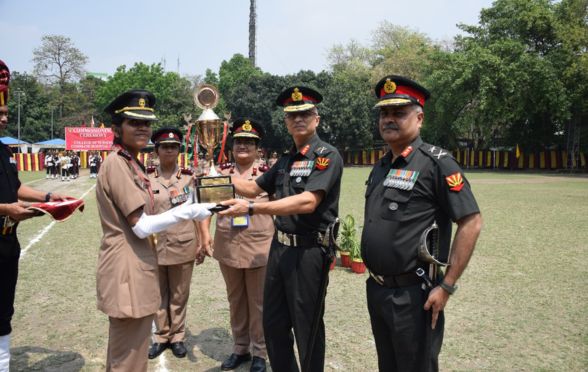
<point x="214" y="189"/>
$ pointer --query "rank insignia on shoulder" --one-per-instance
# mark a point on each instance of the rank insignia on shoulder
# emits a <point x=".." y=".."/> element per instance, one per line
<point x="455" y="182"/>
<point x="321" y="149"/>
<point x="322" y="163"/>
<point x="187" y="171"/>
<point x="151" y="170"/>
<point x="402" y="179"/>
<point x="437" y="152"/>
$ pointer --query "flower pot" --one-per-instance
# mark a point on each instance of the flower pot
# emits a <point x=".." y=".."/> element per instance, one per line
<point x="357" y="266"/>
<point x="333" y="263"/>
<point x="345" y="259"/>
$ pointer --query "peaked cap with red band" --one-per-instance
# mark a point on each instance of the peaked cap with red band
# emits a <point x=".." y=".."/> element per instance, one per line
<point x="247" y="128"/>
<point x="394" y="90"/>
<point x="4" y="82"/>
<point x="167" y="135"/>
<point x="299" y="98"/>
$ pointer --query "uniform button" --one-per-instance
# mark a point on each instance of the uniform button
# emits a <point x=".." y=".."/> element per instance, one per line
<point x="393" y="206"/>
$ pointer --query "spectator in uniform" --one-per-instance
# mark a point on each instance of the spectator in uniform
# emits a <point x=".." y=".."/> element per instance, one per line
<point x="273" y="159"/>
<point x="306" y="183"/>
<point x="127" y="277"/>
<point x="93" y="162"/>
<point x="13" y="210"/>
<point x="177" y="247"/>
<point x="55" y="169"/>
<point x="414" y="186"/>
<point x="241" y="246"/>
<point x="48" y="164"/>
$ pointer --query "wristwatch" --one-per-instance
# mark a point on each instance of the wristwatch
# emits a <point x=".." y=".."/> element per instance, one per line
<point x="250" y="208"/>
<point x="448" y="288"/>
<point x="47" y="197"/>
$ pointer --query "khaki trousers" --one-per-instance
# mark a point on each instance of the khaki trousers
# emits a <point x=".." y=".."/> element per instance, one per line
<point x="128" y="344"/>
<point x="174" y="285"/>
<point x="245" y="294"/>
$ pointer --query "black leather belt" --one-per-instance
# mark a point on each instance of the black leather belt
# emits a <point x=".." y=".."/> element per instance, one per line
<point x="312" y="239"/>
<point x="397" y="281"/>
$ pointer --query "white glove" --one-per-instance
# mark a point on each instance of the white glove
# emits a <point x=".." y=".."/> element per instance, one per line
<point x="153" y="224"/>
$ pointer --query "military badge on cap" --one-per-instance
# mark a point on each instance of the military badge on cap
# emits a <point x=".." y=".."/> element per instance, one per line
<point x="133" y="104"/>
<point x="455" y="182"/>
<point x="247" y="128"/>
<point x="396" y="90"/>
<point x="298" y="98"/>
<point x="167" y="135"/>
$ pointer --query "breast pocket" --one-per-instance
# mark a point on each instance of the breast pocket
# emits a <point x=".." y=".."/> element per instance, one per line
<point x="396" y="204"/>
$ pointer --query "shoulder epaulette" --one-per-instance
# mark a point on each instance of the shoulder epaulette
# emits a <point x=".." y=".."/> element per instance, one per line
<point x="435" y="152"/>
<point x="152" y="169"/>
<point x="187" y="171"/>
<point x="125" y="154"/>
<point x="323" y="149"/>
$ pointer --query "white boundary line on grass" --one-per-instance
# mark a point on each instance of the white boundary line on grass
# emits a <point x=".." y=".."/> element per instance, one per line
<point x="37" y="238"/>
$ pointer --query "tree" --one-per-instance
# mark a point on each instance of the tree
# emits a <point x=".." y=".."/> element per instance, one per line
<point x="58" y="61"/>
<point x="172" y="92"/>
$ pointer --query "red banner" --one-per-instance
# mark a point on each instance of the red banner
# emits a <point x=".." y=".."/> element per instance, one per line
<point x="88" y="139"/>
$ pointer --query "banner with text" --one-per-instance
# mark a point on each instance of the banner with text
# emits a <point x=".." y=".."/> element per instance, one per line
<point x="88" y="139"/>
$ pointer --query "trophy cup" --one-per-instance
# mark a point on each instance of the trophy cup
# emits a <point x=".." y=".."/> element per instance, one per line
<point x="213" y="188"/>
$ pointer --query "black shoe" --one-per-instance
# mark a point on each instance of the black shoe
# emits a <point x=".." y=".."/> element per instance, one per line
<point x="156" y="349"/>
<point x="235" y="361"/>
<point x="257" y="365"/>
<point x="178" y="349"/>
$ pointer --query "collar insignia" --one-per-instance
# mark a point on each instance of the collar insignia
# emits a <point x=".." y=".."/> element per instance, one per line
<point x="455" y="182"/>
<point x="406" y="151"/>
<point x="305" y="149"/>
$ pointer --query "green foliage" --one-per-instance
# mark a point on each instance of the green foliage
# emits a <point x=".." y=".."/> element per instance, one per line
<point x="348" y="240"/>
<point x="173" y="93"/>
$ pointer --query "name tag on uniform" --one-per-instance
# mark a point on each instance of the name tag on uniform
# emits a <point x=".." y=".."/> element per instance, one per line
<point x="302" y="168"/>
<point x="402" y="179"/>
<point x="241" y="221"/>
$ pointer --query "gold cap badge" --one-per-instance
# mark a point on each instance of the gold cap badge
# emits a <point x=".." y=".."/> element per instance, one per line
<point x="389" y="87"/>
<point x="247" y="126"/>
<point x="296" y="95"/>
<point x="141" y="102"/>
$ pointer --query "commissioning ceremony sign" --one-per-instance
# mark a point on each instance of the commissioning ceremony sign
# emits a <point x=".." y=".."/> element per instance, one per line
<point x="88" y="139"/>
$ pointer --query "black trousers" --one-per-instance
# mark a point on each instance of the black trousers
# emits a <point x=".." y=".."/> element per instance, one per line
<point x="290" y="297"/>
<point x="9" y="255"/>
<point x="399" y="325"/>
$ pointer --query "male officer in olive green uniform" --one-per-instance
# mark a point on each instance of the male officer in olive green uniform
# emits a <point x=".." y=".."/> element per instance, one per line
<point x="306" y="183"/>
<point x="412" y="187"/>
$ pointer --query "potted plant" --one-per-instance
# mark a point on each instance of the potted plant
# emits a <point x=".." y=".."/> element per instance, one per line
<point x="357" y="265"/>
<point x="347" y="237"/>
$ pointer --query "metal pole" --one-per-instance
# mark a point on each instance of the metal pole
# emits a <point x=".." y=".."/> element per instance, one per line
<point x="18" y="120"/>
<point x="52" y="110"/>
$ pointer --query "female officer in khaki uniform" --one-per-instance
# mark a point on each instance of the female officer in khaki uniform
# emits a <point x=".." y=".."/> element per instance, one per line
<point x="127" y="278"/>
<point x="177" y="247"/>
<point x="241" y="245"/>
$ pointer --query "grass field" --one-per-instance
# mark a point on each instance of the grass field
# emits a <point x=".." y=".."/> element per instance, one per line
<point x="521" y="305"/>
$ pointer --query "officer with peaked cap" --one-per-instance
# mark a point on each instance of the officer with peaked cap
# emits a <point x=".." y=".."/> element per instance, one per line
<point x="127" y="279"/>
<point x="241" y="246"/>
<point x="177" y="247"/>
<point x="13" y="209"/>
<point x="415" y="189"/>
<point x="306" y="183"/>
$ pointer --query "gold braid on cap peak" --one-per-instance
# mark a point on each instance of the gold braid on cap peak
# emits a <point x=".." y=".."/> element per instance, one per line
<point x="133" y="108"/>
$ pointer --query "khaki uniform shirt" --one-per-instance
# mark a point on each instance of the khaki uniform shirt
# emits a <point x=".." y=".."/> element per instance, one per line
<point x="178" y="243"/>
<point x="127" y="279"/>
<point x="244" y="247"/>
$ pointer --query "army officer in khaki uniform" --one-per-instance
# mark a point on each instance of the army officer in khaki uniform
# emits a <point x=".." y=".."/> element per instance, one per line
<point x="177" y="247"/>
<point x="127" y="278"/>
<point x="241" y="245"/>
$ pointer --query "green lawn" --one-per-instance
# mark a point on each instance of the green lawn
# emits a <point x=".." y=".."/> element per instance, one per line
<point x="521" y="305"/>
